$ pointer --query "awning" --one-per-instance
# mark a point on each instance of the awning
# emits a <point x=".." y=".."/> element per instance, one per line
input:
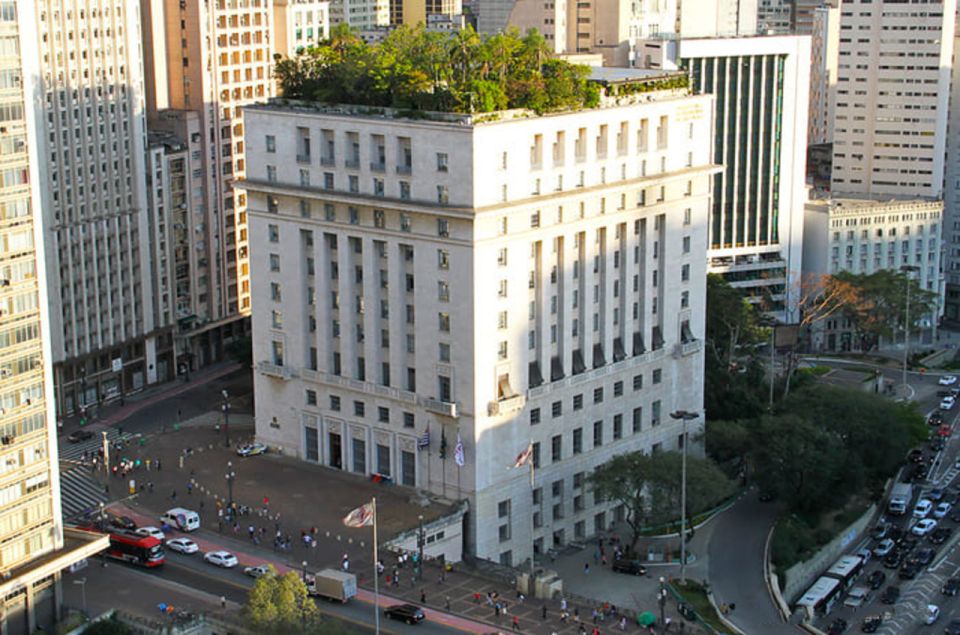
<point x="556" y="369"/>
<point x="657" y="339"/>
<point x="618" y="353"/>
<point x="638" y="347"/>
<point x="598" y="357"/>
<point x="534" y="376"/>
<point x="578" y="365"/>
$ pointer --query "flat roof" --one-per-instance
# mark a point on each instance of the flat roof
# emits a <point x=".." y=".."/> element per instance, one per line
<point x="78" y="545"/>
<point x="845" y="565"/>
<point x="616" y="75"/>
<point x="819" y="590"/>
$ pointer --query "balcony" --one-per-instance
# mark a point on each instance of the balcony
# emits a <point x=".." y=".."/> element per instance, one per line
<point x="378" y="167"/>
<point x="353" y="163"/>
<point x="506" y="406"/>
<point x="328" y="161"/>
<point x="303" y="158"/>
<point x="444" y="408"/>
<point x="404" y="169"/>
<point x="277" y="371"/>
<point x="688" y="348"/>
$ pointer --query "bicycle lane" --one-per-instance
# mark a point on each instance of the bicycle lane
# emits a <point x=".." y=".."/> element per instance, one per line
<point x="363" y="595"/>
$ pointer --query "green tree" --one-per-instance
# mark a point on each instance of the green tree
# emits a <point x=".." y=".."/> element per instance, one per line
<point x="280" y="604"/>
<point x="110" y="626"/>
<point x="648" y="487"/>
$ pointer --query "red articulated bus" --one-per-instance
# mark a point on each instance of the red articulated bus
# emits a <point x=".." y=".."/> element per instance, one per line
<point x="143" y="551"/>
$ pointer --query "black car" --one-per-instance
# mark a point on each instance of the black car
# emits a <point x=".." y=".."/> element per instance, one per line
<point x="890" y="595"/>
<point x="908" y="543"/>
<point x="940" y="535"/>
<point x="895" y="534"/>
<point x="915" y="456"/>
<point x="876" y="579"/>
<point x="837" y="626"/>
<point x="909" y="570"/>
<point x="871" y="624"/>
<point x="893" y="559"/>
<point x="79" y="435"/>
<point x="631" y="567"/>
<point x="408" y="613"/>
<point x="935" y="419"/>
<point x="925" y="556"/>
<point x="936" y="494"/>
<point x="953" y="628"/>
<point x="937" y="444"/>
<point x="950" y="587"/>
<point x="122" y="522"/>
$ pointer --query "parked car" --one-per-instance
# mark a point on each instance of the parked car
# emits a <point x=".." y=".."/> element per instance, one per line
<point x="221" y="558"/>
<point x="935" y="419"/>
<point x="876" y="579"/>
<point x="925" y="556"/>
<point x="871" y="624"/>
<point x="884" y="547"/>
<point x="258" y="571"/>
<point x="935" y="494"/>
<point x="151" y="531"/>
<point x="893" y="560"/>
<point x="909" y="570"/>
<point x="857" y="597"/>
<point x="948" y="402"/>
<point x="950" y="587"/>
<point x="947" y="380"/>
<point x="923" y="508"/>
<point x="924" y="527"/>
<point x="183" y="545"/>
<point x="408" y="613"/>
<point x="837" y="626"/>
<point x="79" y="435"/>
<point x="880" y="531"/>
<point x="908" y="543"/>
<point x="890" y="595"/>
<point x="932" y="615"/>
<point x="940" y="535"/>
<point x="252" y="449"/>
<point x="122" y="522"/>
<point x="632" y="567"/>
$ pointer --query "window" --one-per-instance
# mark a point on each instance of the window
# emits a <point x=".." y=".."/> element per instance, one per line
<point x="655" y="413"/>
<point x="502" y="289"/>
<point x="408" y="420"/>
<point x="502" y="320"/>
<point x="359" y="408"/>
<point x="598" y="395"/>
<point x="638" y="382"/>
<point x="444" y="352"/>
<point x="556" y="409"/>
<point x="685" y="273"/>
<point x="444" y="322"/>
<point x="502" y="350"/>
<point x="335" y="403"/>
<point x="657" y="375"/>
<point x="578" y="440"/>
<point x="536" y="454"/>
<point x="617" y="427"/>
<point x="597" y="433"/>
<point x="277" y="319"/>
<point x="442" y="159"/>
<point x="578" y="402"/>
<point x="443" y="291"/>
<point x="383" y="414"/>
<point x="443" y="226"/>
<point x="273" y="233"/>
<point x="502" y="257"/>
<point x="271" y="144"/>
<point x="686" y="244"/>
<point x="556" y="488"/>
<point x="637" y="420"/>
<point x="556" y="448"/>
<point x="503" y="509"/>
<point x="272" y="173"/>
<point x="311" y="397"/>
<point x="443" y="259"/>
<point x="617" y="388"/>
<point x="534" y="416"/>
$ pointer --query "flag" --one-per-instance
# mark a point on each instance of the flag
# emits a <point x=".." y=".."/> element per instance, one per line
<point x="424" y="440"/>
<point x="360" y="517"/>
<point x="443" y="444"/>
<point x="458" y="452"/>
<point x="524" y="457"/>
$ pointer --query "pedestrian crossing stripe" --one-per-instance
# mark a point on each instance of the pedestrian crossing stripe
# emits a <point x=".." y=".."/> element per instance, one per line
<point x="74" y="451"/>
<point x="79" y="492"/>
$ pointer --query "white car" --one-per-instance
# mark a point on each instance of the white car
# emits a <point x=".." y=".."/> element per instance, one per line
<point x="151" y="531"/>
<point x="258" y="571"/>
<point x="947" y="380"/>
<point x="182" y="545"/>
<point x="942" y="509"/>
<point x="252" y="449"/>
<point x="933" y="614"/>
<point x="948" y="402"/>
<point x="884" y="547"/>
<point x="922" y="508"/>
<point x="924" y="527"/>
<point x="224" y="559"/>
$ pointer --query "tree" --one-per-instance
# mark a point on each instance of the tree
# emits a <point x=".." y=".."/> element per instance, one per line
<point x="280" y="604"/>
<point x="648" y="487"/>
<point x="110" y="626"/>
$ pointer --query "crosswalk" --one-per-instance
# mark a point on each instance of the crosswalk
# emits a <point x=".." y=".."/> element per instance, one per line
<point x="79" y="492"/>
<point x="74" y="451"/>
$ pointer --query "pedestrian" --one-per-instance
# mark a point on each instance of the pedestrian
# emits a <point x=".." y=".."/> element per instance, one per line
<point x="346" y="564"/>
<point x="476" y="597"/>
<point x="623" y="624"/>
<point x="563" y="604"/>
<point x="666" y="623"/>
<point x="496" y="610"/>
<point x="586" y="568"/>
<point x="521" y="597"/>
<point x="603" y="559"/>
<point x="516" y="623"/>
<point x="596" y="631"/>
<point x="173" y="495"/>
<point x="223" y="602"/>
<point x="446" y="602"/>
<point x="543" y="612"/>
<point x="251" y="530"/>
<point x="595" y="616"/>
<point x="489" y="599"/>
<point x="396" y="578"/>
<point x="158" y="465"/>
<point x="423" y="596"/>
<point x="190" y="488"/>
<point x="150" y="486"/>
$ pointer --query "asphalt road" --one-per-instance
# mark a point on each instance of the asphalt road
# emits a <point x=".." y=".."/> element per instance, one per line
<point x="189" y="584"/>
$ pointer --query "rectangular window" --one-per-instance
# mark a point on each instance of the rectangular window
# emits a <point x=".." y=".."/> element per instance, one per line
<point x="556" y="409"/>
<point x="408" y="420"/>
<point x="383" y="414"/>
<point x="657" y="375"/>
<point x="578" y="402"/>
<point x="598" y="395"/>
<point x="597" y="433"/>
<point x="335" y="403"/>
<point x="534" y="416"/>
<point x="442" y="162"/>
<point x="359" y="408"/>
<point x="578" y="440"/>
<point x="617" y="427"/>
<point x="311" y="397"/>
<point x="637" y="420"/>
<point x="556" y="448"/>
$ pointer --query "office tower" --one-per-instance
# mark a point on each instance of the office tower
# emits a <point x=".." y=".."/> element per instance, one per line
<point x="893" y="96"/>
<point x="299" y="24"/>
<point x="500" y="280"/>
<point x="218" y="58"/>
<point x="92" y="136"/>
<point x="34" y="547"/>
<point x="414" y="12"/>
<point x="360" y="14"/>
<point x="824" y="55"/>
<point x="775" y="16"/>
<point x="756" y="224"/>
<point x="717" y="18"/>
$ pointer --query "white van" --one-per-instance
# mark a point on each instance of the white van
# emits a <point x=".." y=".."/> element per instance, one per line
<point x="182" y="519"/>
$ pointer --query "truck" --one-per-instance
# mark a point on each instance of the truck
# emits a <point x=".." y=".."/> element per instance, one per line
<point x="332" y="584"/>
<point x="900" y="497"/>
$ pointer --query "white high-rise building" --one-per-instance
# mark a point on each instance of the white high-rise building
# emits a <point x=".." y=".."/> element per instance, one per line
<point x="360" y="14"/>
<point x="717" y="18"/>
<point x="299" y="24"/>
<point x="494" y="280"/>
<point x="824" y="55"/>
<point x="90" y="111"/>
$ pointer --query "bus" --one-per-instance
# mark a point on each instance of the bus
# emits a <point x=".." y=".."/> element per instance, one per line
<point x="847" y="569"/>
<point x="143" y="551"/>
<point x="821" y="597"/>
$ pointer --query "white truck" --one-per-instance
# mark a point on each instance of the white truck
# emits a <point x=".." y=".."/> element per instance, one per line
<point x="900" y="497"/>
<point x="332" y="585"/>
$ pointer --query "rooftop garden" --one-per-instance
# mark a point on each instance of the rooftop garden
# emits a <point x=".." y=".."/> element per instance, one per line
<point x="413" y="69"/>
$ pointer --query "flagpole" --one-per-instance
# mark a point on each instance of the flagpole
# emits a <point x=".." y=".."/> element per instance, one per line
<point x="531" y="589"/>
<point x="376" y="573"/>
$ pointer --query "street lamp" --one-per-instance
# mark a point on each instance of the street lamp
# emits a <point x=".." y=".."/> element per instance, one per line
<point x="685" y="416"/>
<point x="83" y="592"/>
<point x="662" y="598"/>
<point x="303" y="605"/>
<point x="230" y="476"/>
<point x="303" y="567"/>
<point x="225" y="406"/>
<point x="421" y="541"/>
<point x="907" y="269"/>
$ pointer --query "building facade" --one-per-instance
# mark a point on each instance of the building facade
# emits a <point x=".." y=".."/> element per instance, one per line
<point x="299" y="24"/>
<point x="93" y="140"/>
<point x="34" y="549"/>
<point x="496" y="281"/>
<point x="756" y="224"/>
<point x="360" y="14"/>
<point x="862" y="236"/>
<point x="824" y="55"/>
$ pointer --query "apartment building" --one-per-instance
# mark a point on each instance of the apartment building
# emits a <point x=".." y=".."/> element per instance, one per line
<point x="717" y="18"/>
<point x="92" y="136"/>
<point x="34" y="548"/>
<point x="775" y="16"/>
<point x="299" y="24"/>
<point x="499" y="280"/>
<point x="756" y="224"/>
<point x="218" y="58"/>
<point x="360" y="14"/>
<point x="862" y="236"/>
<point x="414" y="12"/>
<point x="824" y="56"/>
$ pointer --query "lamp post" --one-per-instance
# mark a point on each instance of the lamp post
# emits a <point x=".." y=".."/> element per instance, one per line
<point x="685" y="416"/>
<point x="421" y="541"/>
<point x="303" y="607"/>
<point x="230" y="476"/>
<point x="225" y="407"/>
<point x="106" y="455"/>
<point x="662" y="598"/>
<point x="83" y="592"/>
<point x="907" y="269"/>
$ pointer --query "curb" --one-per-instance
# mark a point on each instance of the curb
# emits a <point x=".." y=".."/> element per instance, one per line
<point x="723" y="619"/>
<point x="773" y="587"/>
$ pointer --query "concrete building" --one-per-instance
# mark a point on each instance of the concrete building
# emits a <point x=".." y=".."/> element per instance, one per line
<point x="775" y="16"/>
<point x="414" y="12"/>
<point x="824" y="55"/>
<point x="360" y="14"/>
<point x="34" y="548"/>
<point x="501" y="280"/>
<point x="299" y="24"/>
<point x="717" y="18"/>
<point x="756" y="226"/>
<point x="863" y="236"/>
<point x="218" y="57"/>
<point x="90" y="110"/>
<point x="893" y="97"/>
